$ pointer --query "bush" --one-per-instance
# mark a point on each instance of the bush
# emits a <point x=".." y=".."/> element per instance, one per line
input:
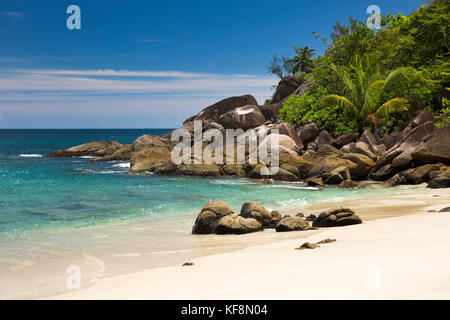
<point x="299" y="110"/>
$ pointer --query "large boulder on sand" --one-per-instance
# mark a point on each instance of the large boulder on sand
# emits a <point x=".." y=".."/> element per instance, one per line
<point x="292" y="224"/>
<point x="437" y="149"/>
<point x="254" y="209"/>
<point x="234" y="224"/>
<point x="420" y="174"/>
<point x="286" y="87"/>
<point x="245" y="117"/>
<point x="213" y="112"/>
<point x="337" y="218"/>
<point x="440" y="181"/>
<point x="209" y="217"/>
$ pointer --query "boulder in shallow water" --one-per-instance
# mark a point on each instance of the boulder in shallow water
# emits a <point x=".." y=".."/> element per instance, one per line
<point x="337" y="218"/>
<point x="314" y="182"/>
<point x="91" y="149"/>
<point x="148" y="141"/>
<point x="348" y="184"/>
<point x="255" y="210"/>
<point x="396" y="180"/>
<point x="441" y="181"/>
<point x="234" y="224"/>
<point x="209" y="217"/>
<point x="121" y="154"/>
<point x="420" y="174"/>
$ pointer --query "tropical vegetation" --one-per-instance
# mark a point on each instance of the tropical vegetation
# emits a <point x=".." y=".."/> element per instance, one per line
<point x="373" y="79"/>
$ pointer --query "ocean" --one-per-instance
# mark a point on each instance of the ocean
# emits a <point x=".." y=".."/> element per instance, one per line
<point x="60" y="212"/>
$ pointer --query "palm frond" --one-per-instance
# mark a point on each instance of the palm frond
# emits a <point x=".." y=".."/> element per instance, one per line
<point x="393" y="105"/>
<point x="346" y="79"/>
<point x="395" y="76"/>
<point x="339" y="100"/>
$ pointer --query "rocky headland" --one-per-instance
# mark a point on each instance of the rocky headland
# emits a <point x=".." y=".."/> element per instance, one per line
<point x="420" y="153"/>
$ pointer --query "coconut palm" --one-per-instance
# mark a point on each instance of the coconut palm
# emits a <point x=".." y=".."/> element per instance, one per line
<point x="365" y="87"/>
<point x="303" y="61"/>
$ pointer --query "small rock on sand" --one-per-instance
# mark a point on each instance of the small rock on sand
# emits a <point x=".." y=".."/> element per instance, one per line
<point x="307" y="245"/>
<point x="326" y="241"/>
<point x="187" y="264"/>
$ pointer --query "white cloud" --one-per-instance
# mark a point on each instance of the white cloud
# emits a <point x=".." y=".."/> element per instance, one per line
<point x="173" y="95"/>
<point x="120" y="81"/>
<point x="14" y="14"/>
<point x="152" y="40"/>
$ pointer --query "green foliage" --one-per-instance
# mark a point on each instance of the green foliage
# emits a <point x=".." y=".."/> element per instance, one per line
<point x="303" y="61"/>
<point x="443" y="116"/>
<point x="365" y="88"/>
<point x="309" y="107"/>
<point x="410" y="64"/>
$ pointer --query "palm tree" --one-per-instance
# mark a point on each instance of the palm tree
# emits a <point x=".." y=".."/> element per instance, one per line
<point x="302" y="62"/>
<point x="365" y="87"/>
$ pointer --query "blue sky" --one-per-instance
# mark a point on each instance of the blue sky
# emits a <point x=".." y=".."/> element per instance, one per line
<point x="150" y="64"/>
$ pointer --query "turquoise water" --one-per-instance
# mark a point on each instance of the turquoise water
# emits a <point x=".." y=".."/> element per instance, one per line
<point x="56" y="212"/>
<point x="38" y="192"/>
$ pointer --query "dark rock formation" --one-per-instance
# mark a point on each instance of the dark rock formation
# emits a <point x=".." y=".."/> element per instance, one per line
<point x="234" y="224"/>
<point x="437" y="149"/>
<point x="344" y="139"/>
<point x="348" y="184"/>
<point x="396" y="180"/>
<point x="287" y="129"/>
<point x="254" y="209"/>
<point x="308" y="132"/>
<point x="441" y="181"/>
<point x="324" y="138"/>
<point x="314" y="182"/>
<point x="209" y="217"/>
<point x="292" y="224"/>
<point x="213" y="112"/>
<point x="91" y="149"/>
<point x="420" y="174"/>
<point x="337" y="218"/>
<point x="245" y="117"/>
<point x="286" y="87"/>
<point x="308" y="245"/>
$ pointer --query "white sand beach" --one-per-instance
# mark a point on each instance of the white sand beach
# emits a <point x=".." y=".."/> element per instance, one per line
<point x="403" y="257"/>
